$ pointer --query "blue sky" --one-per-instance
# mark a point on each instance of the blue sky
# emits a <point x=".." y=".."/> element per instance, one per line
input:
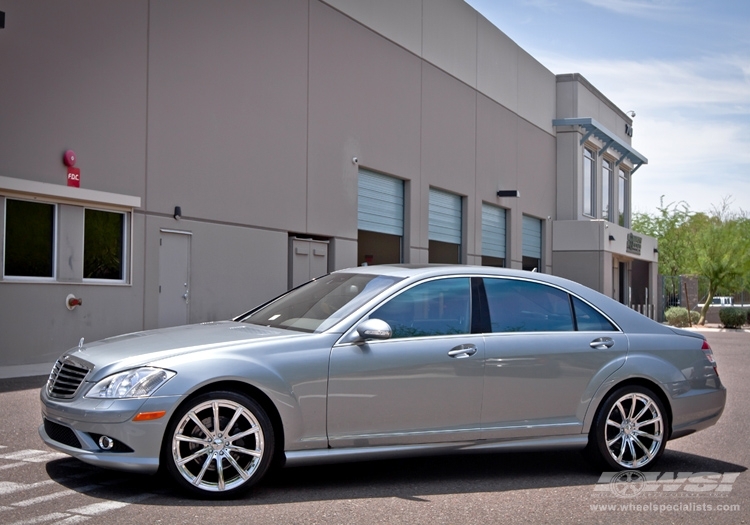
<point x="682" y="65"/>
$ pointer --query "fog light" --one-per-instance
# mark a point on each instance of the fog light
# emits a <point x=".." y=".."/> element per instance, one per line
<point x="106" y="443"/>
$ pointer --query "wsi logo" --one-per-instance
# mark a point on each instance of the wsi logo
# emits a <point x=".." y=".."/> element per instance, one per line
<point x="631" y="483"/>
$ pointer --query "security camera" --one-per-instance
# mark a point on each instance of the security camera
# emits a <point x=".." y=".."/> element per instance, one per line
<point x="355" y="160"/>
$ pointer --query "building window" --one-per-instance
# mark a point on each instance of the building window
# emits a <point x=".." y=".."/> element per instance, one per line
<point x="29" y="239"/>
<point x="104" y="245"/>
<point x="607" y="172"/>
<point x="589" y="185"/>
<point x="493" y="235"/>
<point x="623" y="200"/>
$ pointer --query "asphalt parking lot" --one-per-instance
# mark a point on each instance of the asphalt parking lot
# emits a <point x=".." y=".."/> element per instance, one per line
<point x="701" y="478"/>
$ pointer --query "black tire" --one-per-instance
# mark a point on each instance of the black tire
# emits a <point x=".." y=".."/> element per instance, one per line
<point x="630" y="429"/>
<point x="218" y="464"/>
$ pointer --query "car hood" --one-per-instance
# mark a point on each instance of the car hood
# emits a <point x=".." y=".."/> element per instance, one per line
<point x="142" y="348"/>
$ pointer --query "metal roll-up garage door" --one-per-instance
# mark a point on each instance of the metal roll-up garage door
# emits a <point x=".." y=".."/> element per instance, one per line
<point x="380" y="206"/>
<point x="493" y="231"/>
<point x="445" y="217"/>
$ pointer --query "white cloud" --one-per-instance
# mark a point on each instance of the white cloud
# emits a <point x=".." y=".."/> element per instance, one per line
<point x="642" y="8"/>
<point x="692" y="125"/>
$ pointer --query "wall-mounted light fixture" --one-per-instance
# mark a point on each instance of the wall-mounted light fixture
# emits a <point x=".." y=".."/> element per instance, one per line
<point x="611" y="237"/>
<point x="177" y="213"/>
<point x="656" y="250"/>
<point x="508" y="193"/>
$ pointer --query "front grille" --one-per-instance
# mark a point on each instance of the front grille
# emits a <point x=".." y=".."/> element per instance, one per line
<point x="61" y="434"/>
<point x="65" y="378"/>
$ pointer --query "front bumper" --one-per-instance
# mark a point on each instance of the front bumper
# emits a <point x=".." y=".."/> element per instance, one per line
<point x="74" y="427"/>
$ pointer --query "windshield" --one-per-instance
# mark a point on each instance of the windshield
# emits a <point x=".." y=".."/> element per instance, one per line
<point x="319" y="304"/>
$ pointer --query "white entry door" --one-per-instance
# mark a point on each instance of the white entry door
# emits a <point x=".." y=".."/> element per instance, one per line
<point x="174" y="278"/>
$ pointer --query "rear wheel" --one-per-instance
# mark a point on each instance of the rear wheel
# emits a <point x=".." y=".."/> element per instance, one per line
<point x="219" y="444"/>
<point x="630" y="429"/>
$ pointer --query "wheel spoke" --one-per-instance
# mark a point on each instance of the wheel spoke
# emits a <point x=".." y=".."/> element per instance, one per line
<point x="241" y="471"/>
<point x="200" y="425"/>
<point x="247" y="451"/>
<point x="191" y="439"/>
<point x="615" y="439"/>
<point x="217" y="426"/>
<point x="649" y="422"/>
<point x="198" y="454"/>
<point x="253" y="430"/>
<point x="643" y="411"/>
<point x="220" y="471"/>
<point x="235" y="417"/>
<point x="620" y="408"/>
<point x="652" y="437"/>
<point x="613" y="423"/>
<point x="642" y="446"/>
<point x="632" y="450"/>
<point x="633" y="400"/>
<point x="199" y="478"/>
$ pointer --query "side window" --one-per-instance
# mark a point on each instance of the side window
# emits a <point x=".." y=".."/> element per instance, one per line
<point x="524" y="306"/>
<point x="589" y="320"/>
<point x="440" y="307"/>
<point x="29" y="239"/>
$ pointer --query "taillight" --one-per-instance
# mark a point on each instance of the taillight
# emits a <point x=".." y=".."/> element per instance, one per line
<point x="709" y="355"/>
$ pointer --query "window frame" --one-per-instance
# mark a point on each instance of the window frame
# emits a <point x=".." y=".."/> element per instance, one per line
<point x="608" y="167"/>
<point x="589" y="194"/>
<point x="55" y="235"/>
<point x="472" y="314"/>
<point x="65" y="199"/>
<point x="571" y="296"/>
<point x="623" y="197"/>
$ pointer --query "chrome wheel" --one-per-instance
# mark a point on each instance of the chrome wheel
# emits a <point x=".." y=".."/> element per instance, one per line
<point x="220" y="444"/>
<point x="630" y="429"/>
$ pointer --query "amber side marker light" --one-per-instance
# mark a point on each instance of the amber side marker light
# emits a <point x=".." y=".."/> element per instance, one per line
<point x="149" y="416"/>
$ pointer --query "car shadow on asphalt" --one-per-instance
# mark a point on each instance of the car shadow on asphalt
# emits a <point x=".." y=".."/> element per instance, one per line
<point x="15" y="384"/>
<point x="414" y="479"/>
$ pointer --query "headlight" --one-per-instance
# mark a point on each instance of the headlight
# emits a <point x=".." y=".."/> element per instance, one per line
<point x="141" y="382"/>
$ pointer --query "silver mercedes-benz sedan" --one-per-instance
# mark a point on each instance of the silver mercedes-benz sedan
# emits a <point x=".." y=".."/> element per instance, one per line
<point x="382" y="362"/>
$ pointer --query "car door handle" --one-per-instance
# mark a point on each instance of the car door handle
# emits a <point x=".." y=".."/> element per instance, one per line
<point x="462" y="351"/>
<point x="602" y="343"/>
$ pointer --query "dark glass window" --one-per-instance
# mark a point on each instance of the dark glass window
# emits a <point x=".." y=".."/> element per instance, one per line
<point x="440" y="307"/>
<point x="589" y="184"/>
<point x="29" y="238"/>
<point x="589" y="320"/>
<point x="524" y="306"/>
<point x="103" y="242"/>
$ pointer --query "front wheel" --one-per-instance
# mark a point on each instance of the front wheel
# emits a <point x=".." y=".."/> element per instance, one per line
<point x="630" y="429"/>
<point x="219" y="444"/>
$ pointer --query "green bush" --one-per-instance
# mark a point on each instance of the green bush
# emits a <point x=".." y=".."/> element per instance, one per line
<point x="678" y="316"/>
<point x="732" y="317"/>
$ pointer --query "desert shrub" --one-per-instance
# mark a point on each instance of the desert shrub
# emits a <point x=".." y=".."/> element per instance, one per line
<point x="732" y="317"/>
<point x="678" y="316"/>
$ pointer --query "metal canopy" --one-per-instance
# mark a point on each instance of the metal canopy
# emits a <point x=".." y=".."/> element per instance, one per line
<point x="592" y="128"/>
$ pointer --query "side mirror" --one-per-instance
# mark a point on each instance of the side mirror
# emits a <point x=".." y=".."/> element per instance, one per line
<point x="374" y="329"/>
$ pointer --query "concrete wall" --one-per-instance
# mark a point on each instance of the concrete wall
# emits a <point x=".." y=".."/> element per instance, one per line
<point x="247" y="115"/>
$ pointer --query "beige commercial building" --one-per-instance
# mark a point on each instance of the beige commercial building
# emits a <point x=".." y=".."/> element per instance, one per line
<point x="225" y="151"/>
